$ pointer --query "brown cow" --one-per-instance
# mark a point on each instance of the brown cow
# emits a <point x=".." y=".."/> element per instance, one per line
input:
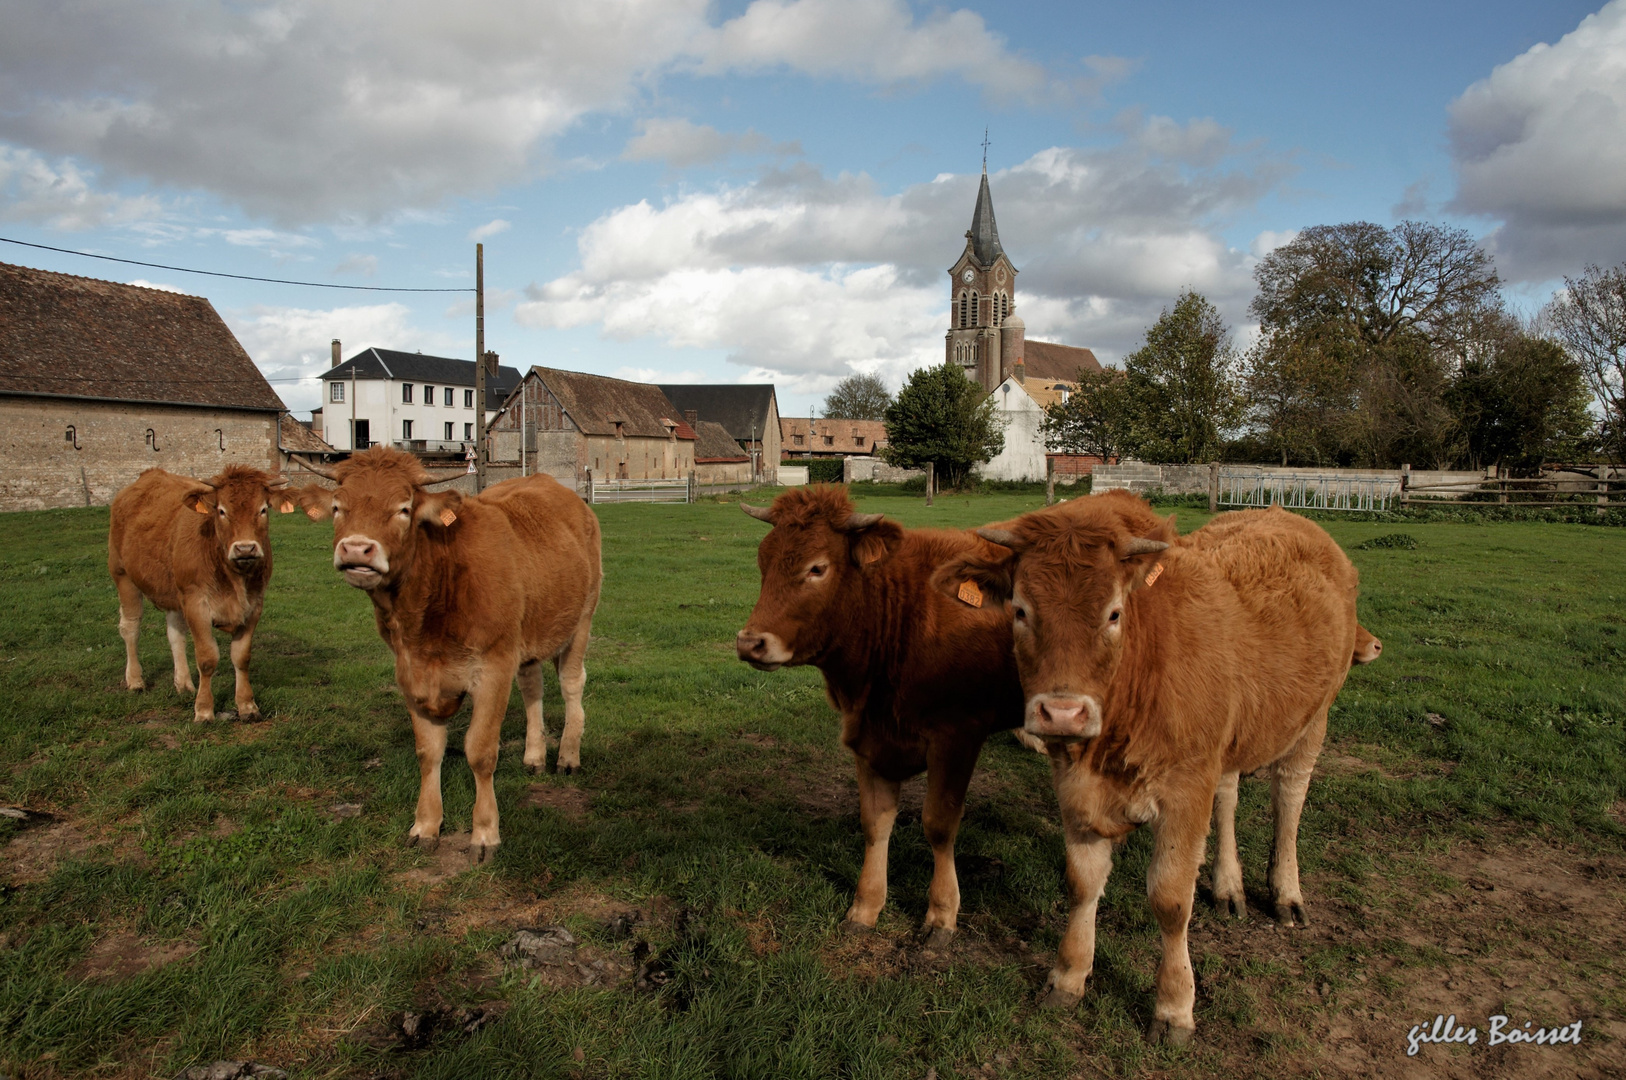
<point x="200" y="551"/>
<point x="470" y="592"/>
<point x="1155" y="668"/>
<point x="921" y="681"/>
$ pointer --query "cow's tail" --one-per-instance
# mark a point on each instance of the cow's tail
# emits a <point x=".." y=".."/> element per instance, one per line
<point x="1367" y="646"/>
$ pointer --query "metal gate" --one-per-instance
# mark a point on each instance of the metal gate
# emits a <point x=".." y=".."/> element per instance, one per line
<point x="648" y="491"/>
<point x="1307" y="492"/>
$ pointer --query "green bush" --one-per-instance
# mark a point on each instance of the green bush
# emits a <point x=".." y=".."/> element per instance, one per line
<point x="824" y="470"/>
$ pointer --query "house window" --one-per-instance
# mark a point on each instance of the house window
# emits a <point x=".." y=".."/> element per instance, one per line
<point x="797" y="439"/>
<point x="448" y="431"/>
<point x="406" y="429"/>
<point x="406" y="393"/>
<point x="468" y="399"/>
<point x="468" y="432"/>
<point x="428" y="395"/>
<point x="450" y="398"/>
<point x="858" y="440"/>
<point x="829" y="440"/>
<point x="335" y="391"/>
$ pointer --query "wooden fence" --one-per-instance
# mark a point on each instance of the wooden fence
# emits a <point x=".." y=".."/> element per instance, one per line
<point x="1572" y="489"/>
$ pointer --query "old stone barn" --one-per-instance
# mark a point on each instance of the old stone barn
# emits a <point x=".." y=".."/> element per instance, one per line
<point x="99" y="381"/>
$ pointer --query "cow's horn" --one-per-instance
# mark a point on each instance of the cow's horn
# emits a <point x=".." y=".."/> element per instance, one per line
<point x="319" y="470"/>
<point x="278" y="484"/>
<point x="445" y="478"/>
<point x="1142" y="546"/>
<point x="761" y="513"/>
<point x="1002" y="537"/>
<point x="859" y="522"/>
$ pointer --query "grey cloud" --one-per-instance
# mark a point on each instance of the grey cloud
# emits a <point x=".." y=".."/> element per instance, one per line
<point x="680" y="143"/>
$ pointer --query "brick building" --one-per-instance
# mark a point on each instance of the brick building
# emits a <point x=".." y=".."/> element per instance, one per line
<point x="99" y="381"/>
<point x="801" y="437"/>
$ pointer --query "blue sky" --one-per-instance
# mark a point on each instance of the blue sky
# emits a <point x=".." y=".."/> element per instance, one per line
<point x="773" y="189"/>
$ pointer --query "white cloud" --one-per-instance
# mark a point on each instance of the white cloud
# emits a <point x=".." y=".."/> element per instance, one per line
<point x="1541" y="146"/>
<point x="681" y="143"/>
<point x="143" y="283"/>
<point x="365" y="265"/>
<point x="489" y="229"/>
<point x="321" y="111"/>
<point x="292" y="345"/>
<point x="62" y="195"/>
<point x="812" y="277"/>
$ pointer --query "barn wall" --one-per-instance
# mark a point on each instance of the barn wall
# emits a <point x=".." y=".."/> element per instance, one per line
<point x="44" y="470"/>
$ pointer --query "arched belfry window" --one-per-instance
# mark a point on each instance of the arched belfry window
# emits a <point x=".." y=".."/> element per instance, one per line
<point x="962" y="309"/>
<point x="976" y="308"/>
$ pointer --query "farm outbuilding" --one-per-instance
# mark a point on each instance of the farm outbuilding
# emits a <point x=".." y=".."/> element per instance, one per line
<point x="749" y="412"/>
<point x="99" y="381"/>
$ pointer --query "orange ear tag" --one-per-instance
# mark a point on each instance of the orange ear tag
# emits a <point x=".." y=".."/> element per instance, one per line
<point x="447" y="517"/>
<point x="314" y="514"/>
<point x="1156" y="572"/>
<point x="286" y="507"/>
<point x="970" y="593"/>
<point x="200" y="507"/>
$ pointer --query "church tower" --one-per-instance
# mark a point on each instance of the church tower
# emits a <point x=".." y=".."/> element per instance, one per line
<point x="985" y="336"/>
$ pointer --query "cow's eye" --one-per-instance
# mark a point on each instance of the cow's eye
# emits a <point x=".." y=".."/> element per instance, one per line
<point x="1021" y="613"/>
<point x="1114" y="617"/>
<point x="263" y="510"/>
<point x="337" y="510"/>
<point x="221" y="510"/>
<point x="817" y="571"/>
<point x="406" y="511"/>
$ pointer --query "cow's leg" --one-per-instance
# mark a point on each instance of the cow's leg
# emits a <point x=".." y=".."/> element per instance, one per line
<point x="948" y="774"/>
<point x="1179" y="835"/>
<point x="1089" y="864"/>
<point x="1228" y="895"/>
<point x="480" y="746"/>
<point x="536" y="732"/>
<point x="175" y="630"/>
<point x="130" y="630"/>
<point x="207" y="652"/>
<point x="242" y="643"/>
<point x="1290" y="781"/>
<point x="877" y="810"/>
<point x="571" y="664"/>
<point x="430" y="737"/>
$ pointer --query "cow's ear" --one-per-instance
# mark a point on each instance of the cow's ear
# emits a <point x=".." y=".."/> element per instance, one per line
<point x="438" y="509"/>
<point x="314" y="499"/>
<point x="200" y="500"/>
<point x="872" y="543"/>
<point x="977" y="578"/>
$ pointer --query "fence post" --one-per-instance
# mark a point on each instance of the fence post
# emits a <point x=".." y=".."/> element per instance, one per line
<point x="1213" y="487"/>
<point x="1405" y="484"/>
<point x="589" y="486"/>
<point x="1603" y="490"/>
<point x="931" y="480"/>
<point x="1049" y="481"/>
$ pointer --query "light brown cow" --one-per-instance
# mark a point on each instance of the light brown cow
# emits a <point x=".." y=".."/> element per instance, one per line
<point x="921" y="680"/>
<point x="201" y="552"/>
<point x="1157" y="669"/>
<point x="471" y="593"/>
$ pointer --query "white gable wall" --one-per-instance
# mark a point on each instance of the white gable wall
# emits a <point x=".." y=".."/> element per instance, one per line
<point x="1023" y="457"/>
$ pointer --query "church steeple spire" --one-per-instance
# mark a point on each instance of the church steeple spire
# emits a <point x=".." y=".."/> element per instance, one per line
<point x="984" y="232"/>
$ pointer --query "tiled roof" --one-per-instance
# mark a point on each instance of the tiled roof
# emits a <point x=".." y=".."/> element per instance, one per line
<point x="415" y="367"/>
<point x="596" y="403"/>
<point x="844" y="433"/>
<point x="1046" y="360"/>
<point x="734" y="405"/>
<point x="713" y="443"/>
<point x="301" y="439"/>
<point x="78" y="337"/>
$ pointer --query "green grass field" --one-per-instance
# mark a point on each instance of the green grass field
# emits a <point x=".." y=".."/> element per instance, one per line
<point x="195" y="895"/>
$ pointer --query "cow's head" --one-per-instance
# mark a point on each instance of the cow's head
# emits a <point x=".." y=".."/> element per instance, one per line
<point x="380" y="508"/>
<point x="817" y="553"/>
<point x="1066" y="575"/>
<point x="236" y="506"/>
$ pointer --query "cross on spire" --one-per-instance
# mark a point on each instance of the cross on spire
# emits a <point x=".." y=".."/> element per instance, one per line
<point x="984" y="149"/>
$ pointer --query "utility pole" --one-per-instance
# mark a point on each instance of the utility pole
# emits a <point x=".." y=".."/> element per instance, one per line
<point x="353" y="446"/>
<point x="479" y="367"/>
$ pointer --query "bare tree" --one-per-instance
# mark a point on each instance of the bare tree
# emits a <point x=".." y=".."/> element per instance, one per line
<point x="1589" y="319"/>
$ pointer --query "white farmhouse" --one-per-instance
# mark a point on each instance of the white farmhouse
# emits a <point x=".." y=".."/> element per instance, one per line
<point x="407" y="400"/>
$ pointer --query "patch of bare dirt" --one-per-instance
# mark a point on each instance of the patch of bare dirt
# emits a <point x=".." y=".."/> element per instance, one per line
<point x="570" y="800"/>
<point x="122" y="955"/>
<point x="1530" y="931"/>
<point x="446" y="862"/>
<point x="34" y="854"/>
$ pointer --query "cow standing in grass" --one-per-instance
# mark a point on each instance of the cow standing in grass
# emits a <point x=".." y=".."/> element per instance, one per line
<point x="921" y="680"/>
<point x="471" y="593"/>
<point x="1157" y="669"/>
<point x="200" y="550"/>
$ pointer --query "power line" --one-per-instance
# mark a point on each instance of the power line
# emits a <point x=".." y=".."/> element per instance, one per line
<point x="217" y="273"/>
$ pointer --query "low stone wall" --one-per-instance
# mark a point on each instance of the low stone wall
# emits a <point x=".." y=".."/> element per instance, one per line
<point x="1143" y="478"/>
<point x="854" y="469"/>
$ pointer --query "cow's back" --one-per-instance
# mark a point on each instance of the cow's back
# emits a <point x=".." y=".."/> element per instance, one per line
<point x="145" y="523"/>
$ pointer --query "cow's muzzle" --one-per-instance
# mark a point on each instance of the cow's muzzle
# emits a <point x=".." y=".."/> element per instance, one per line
<point x="765" y="652"/>
<point x="245" y="554"/>
<point x="361" y="560"/>
<point x="1063" y="716"/>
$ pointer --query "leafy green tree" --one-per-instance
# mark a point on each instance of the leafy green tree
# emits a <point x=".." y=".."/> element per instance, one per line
<point x="1182" y="386"/>
<point x="1094" y="419"/>
<point x="942" y="417"/>
<point x="858" y="397"/>
<point x="1521" y="401"/>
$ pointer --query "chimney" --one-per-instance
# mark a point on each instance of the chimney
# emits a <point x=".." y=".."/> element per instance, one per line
<point x="338" y="353"/>
<point x="691" y="416"/>
<point x="1019" y="371"/>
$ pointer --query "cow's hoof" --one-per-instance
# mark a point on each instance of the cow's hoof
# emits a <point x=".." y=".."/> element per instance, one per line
<point x="1293" y="915"/>
<point x="535" y="770"/>
<point x="938" y="937"/>
<point x="426" y="844"/>
<point x="568" y="770"/>
<point x="479" y="853"/>
<point x="202" y="717"/>
<point x="854" y="928"/>
<point x="1164" y="1033"/>
<point x="249" y="714"/>
<point x="1231" y="907"/>
<point x="1057" y="998"/>
<point x="136" y="685"/>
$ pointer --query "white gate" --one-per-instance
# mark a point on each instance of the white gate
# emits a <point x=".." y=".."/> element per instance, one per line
<point x="1307" y="492"/>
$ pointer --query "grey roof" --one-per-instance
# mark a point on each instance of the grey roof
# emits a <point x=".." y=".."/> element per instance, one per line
<point x="418" y="367"/>
<point x="984" y="232"/>
<point x="732" y="405"/>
